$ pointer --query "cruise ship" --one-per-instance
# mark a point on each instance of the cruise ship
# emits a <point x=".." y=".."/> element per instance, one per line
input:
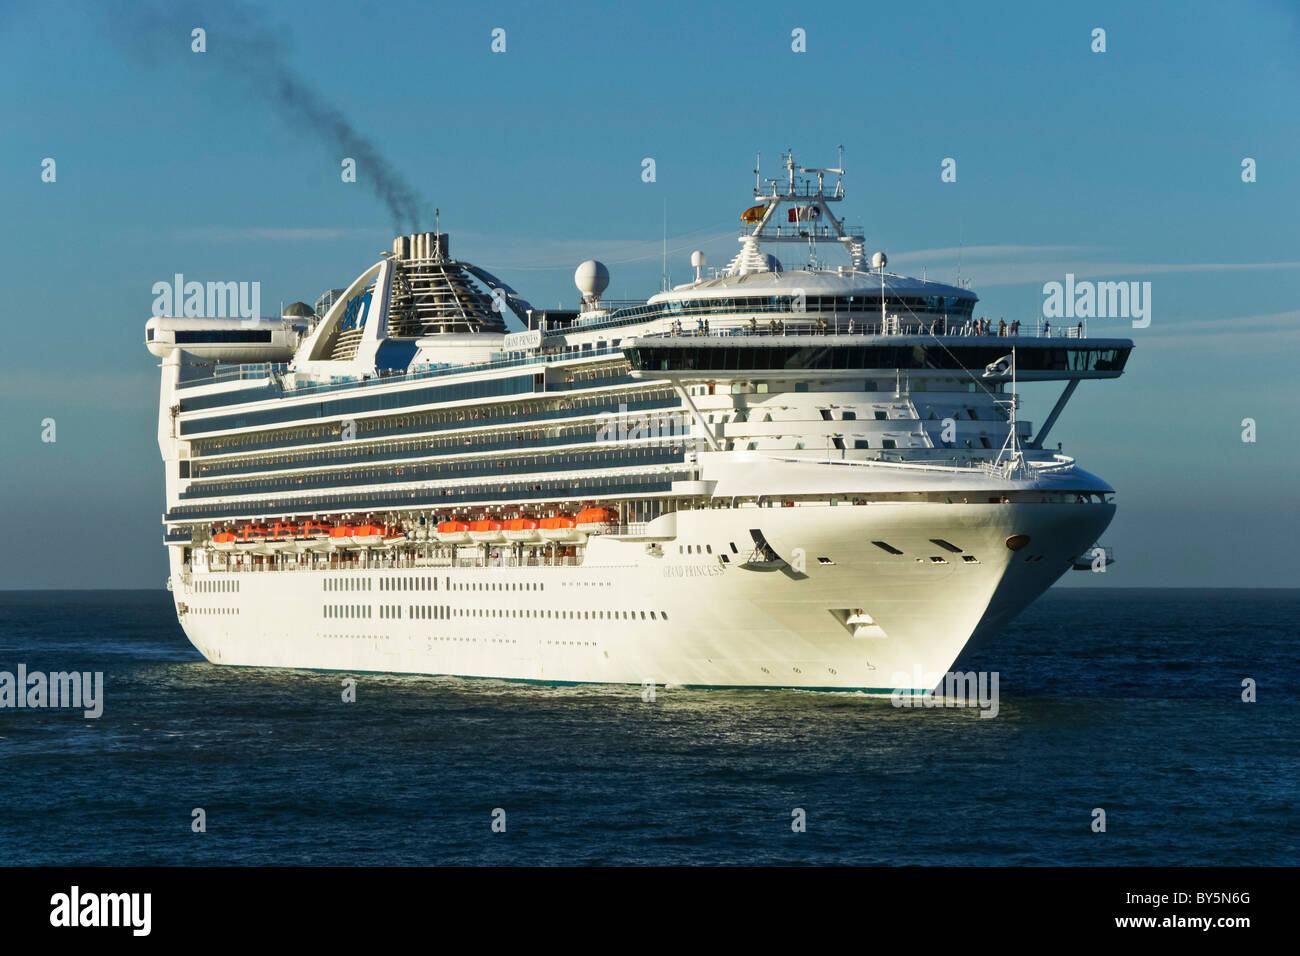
<point x="788" y="472"/>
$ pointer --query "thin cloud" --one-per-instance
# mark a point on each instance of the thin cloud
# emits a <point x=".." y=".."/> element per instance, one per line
<point x="516" y="253"/>
<point x="1227" y="333"/>
<point x="274" y="234"/>
<point x="987" y="266"/>
<point x="1036" y="273"/>
<point x="980" y="252"/>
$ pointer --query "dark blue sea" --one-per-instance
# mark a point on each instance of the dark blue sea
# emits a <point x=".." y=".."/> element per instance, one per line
<point x="1126" y="700"/>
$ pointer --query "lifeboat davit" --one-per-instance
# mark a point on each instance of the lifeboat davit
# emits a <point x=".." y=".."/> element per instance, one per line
<point x="562" y="529"/>
<point x="487" y="531"/>
<point x="250" y="537"/>
<point x="311" y="536"/>
<point x="393" y="536"/>
<point x="367" y="535"/>
<point x="225" y="540"/>
<point x="453" y="532"/>
<point x="523" y="529"/>
<point x="279" y="538"/>
<point x="597" y="520"/>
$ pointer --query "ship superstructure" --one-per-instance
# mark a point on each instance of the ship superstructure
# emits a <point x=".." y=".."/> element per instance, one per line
<point x="810" y="477"/>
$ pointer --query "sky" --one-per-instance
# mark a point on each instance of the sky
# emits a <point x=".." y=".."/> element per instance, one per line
<point x="225" y="165"/>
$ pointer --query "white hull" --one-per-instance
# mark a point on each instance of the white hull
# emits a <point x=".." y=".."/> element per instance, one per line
<point x="725" y="625"/>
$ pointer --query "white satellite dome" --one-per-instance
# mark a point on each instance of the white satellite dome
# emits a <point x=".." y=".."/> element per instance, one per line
<point x="697" y="259"/>
<point x="879" y="260"/>
<point x="591" y="278"/>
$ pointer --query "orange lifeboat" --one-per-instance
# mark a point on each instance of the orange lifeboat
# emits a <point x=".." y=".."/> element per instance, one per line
<point x="340" y="536"/>
<point x="562" y="529"/>
<point x="597" y="520"/>
<point x="453" y="532"/>
<point x="523" y="529"/>
<point x="367" y="535"/>
<point x="225" y="540"/>
<point x="393" y="535"/>
<point x="487" y="531"/>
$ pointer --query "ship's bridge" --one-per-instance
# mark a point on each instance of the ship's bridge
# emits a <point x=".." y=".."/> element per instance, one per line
<point x="843" y="356"/>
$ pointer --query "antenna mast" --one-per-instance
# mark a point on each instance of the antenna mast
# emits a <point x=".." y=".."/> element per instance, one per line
<point x="1011" y="447"/>
<point x="665" y="275"/>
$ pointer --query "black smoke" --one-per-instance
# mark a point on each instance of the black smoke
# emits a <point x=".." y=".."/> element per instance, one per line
<point x="256" y="56"/>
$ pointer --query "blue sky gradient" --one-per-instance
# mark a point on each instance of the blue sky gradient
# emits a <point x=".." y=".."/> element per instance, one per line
<point x="1123" y="165"/>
